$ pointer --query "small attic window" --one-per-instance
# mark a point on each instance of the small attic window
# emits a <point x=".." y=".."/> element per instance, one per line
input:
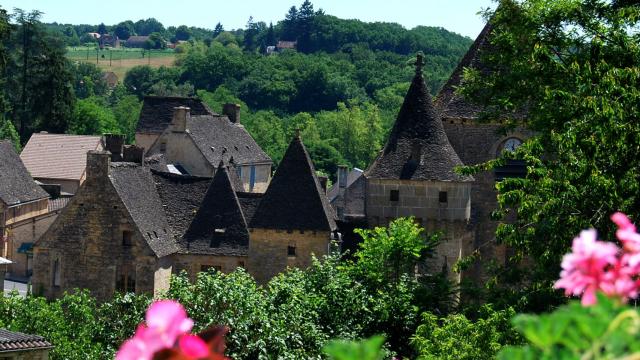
<point x="291" y="250"/>
<point x="213" y="148"/>
<point x="442" y="197"/>
<point x="127" y="237"/>
<point x="149" y="234"/>
<point x="247" y="146"/>
<point x="155" y="234"/>
<point x="235" y="147"/>
<point x="394" y="195"/>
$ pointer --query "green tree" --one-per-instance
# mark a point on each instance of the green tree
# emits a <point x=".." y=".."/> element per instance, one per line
<point x="183" y="33"/>
<point x="90" y="117"/>
<point x="124" y="30"/>
<point x="218" y="30"/>
<point x="8" y="132"/>
<point x="573" y="65"/>
<point x="126" y="112"/>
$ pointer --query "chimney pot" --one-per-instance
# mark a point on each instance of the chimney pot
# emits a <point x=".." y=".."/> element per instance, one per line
<point x="232" y="111"/>
<point x="342" y="176"/>
<point x="114" y="143"/>
<point x="180" y="116"/>
<point x="132" y="153"/>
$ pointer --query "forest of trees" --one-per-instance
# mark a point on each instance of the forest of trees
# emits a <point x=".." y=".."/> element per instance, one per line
<point x="342" y="88"/>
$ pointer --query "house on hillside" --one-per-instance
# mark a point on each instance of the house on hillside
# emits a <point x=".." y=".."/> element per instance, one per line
<point x="110" y="78"/>
<point x="146" y="225"/>
<point x="286" y="45"/>
<point x="24" y="211"/>
<point x="136" y="41"/>
<point x="59" y="158"/>
<point x="195" y="145"/>
<point x="19" y="346"/>
<point x="108" y="40"/>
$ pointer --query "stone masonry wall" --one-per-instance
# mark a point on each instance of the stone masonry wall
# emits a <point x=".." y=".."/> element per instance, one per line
<point x="268" y="251"/>
<point x="26" y="232"/>
<point x="26" y="355"/>
<point x="193" y="263"/>
<point x="86" y="239"/>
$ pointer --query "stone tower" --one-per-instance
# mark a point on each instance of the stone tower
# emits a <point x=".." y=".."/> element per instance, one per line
<point x="414" y="176"/>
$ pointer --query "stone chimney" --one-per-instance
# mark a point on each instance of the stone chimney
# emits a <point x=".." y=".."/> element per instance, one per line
<point x="114" y="143"/>
<point x="343" y="172"/>
<point x="98" y="164"/>
<point x="180" y="116"/>
<point x="233" y="112"/>
<point x="323" y="183"/>
<point x="132" y="153"/>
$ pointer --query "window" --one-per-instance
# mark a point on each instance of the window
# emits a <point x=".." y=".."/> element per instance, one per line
<point x="127" y="238"/>
<point x="126" y="280"/>
<point x="442" y="197"/>
<point x="291" y="250"/>
<point x="394" y="195"/>
<point x="56" y="273"/>
<point x="241" y="264"/>
<point x="252" y="177"/>
<point x="217" y="237"/>
<point x="163" y="146"/>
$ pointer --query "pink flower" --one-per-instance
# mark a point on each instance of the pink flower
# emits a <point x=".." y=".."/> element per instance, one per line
<point x="166" y="321"/>
<point x="618" y="281"/>
<point x="583" y="270"/>
<point x="627" y="234"/>
<point x="193" y="347"/>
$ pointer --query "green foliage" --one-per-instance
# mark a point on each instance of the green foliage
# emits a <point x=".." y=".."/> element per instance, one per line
<point x="604" y="331"/>
<point x="90" y="117"/>
<point x="369" y="349"/>
<point x="8" y="132"/>
<point x="456" y="337"/>
<point x="571" y="64"/>
<point x="126" y="112"/>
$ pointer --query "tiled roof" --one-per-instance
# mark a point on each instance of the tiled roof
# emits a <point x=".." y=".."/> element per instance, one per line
<point x="55" y="156"/>
<point x="157" y="112"/>
<point x="136" y="188"/>
<point x="219" y="227"/>
<point x="418" y="147"/>
<point x="294" y="199"/>
<point x="452" y="105"/>
<point x="218" y="139"/>
<point x="16" y="185"/>
<point x="11" y="341"/>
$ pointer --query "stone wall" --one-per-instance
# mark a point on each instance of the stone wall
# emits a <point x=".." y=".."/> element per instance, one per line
<point x="269" y="253"/>
<point x="86" y="241"/>
<point x="193" y="263"/>
<point x="25" y="355"/>
<point x="68" y="186"/>
<point x="263" y="176"/>
<point x="146" y="140"/>
<point x="180" y="148"/>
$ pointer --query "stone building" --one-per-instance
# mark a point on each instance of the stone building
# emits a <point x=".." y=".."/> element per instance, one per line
<point x="130" y="227"/>
<point x="477" y="142"/>
<point x="200" y="139"/>
<point x="414" y="175"/>
<point x="293" y="220"/>
<point x="19" y="346"/>
<point x="24" y="211"/>
<point x="196" y="144"/>
<point x="59" y="158"/>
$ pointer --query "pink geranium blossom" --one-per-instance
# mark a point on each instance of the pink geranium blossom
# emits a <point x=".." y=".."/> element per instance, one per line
<point x="627" y="234"/>
<point x="583" y="270"/>
<point x="193" y="347"/>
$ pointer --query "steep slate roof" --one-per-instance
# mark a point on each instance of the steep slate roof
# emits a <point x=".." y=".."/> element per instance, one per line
<point x="221" y="140"/>
<point x="418" y="147"/>
<point x="11" y="341"/>
<point x="452" y="105"/>
<point x="219" y="227"/>
<point x="16" y="185"/>
<point x="294" y="199"/>
<point x="352" y="176"/>
<point x="180" y="196"/>
<point x="136" y="188"/>
<point x="58" y="156"/>
<point x="157" y="112"/>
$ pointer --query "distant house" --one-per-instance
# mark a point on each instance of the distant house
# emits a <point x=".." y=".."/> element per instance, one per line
<point x="59" y="159"/>
<point x="94" y="35"/>
<point x="108" y="40"/>
<point x="110" y="78"/>
<point x="136" y="41"/>
<point x="198" y="143"/>
<point x="24" y="211"/>
<point x="16" y="345"/>
<point x="286" y="45"/>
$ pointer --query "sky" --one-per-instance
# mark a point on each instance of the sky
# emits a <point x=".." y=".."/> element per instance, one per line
<point x="460" y="16"/>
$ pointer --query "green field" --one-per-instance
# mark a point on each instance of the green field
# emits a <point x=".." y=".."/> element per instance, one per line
<point x="121" y="60"/>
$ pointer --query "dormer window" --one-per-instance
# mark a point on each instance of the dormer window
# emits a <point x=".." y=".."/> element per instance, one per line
<point x="394" y="195"/>
<point x="127" y="238"/>
<point x="443" y="197"/>
<point x="217" y="236"/>
<point x="291" y="251"/>
<point x="163" y="146"/>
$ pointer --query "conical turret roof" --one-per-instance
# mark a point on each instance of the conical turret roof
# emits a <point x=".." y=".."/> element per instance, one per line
<point x="219" y="226"/>
<point x="418" y="147"/>
<point x="452" y="105"/>
<point x="294" y="199"/>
